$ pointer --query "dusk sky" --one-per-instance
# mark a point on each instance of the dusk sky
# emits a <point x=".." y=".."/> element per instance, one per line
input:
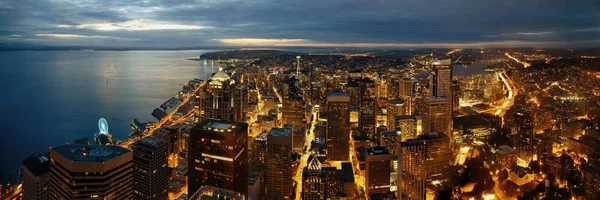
<point x="340" y="23"/>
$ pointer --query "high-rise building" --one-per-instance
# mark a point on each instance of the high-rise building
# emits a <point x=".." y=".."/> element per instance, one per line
<point x="241" y="99"/>
<point x="279" y="163"/>
<point x="354" y="81"/>
<point x="259" y="149"/>
<point x="406" y="88"/>
<point x="218" y="156"/>
<point x="36" y="177"/>
<point x="424" y="163"/>
<point x="222" y="99"/>
<point x="390" y="140"/>
<point x="338" y="126"/>
<point x="437" y="116"/>
<point x="441" y="80"/>
<point x="525" y="136"/>
<point x="367" y="108"/>
<point x="455" y="88"/>
<point x="150" y="169"/>
<point x="410" y="126"/>
<point x="395" y="107"/>
<point x="382" y="88"/>
<point x="294" y="111"/>
<point x="313" y="180"/>
<point x="90" y="171"/>
<point x="327" y="182"/>
<point x="377" y="170"/>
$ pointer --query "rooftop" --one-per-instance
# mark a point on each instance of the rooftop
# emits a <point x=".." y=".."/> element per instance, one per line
<point x="436" y="98"/>
<point x="262" y="137"/>
<point x="397" y="101"/>
<point x="280" y="132"/>
<point x="390" y="133"/>
<point x="348" y="172"/>
<point x="504" y="149"/>
<point x="337" y="94"/>
<point x="210" y="192"/>
<point x="432" y="135"/>
<point x="90" y="153"/>
<point x="37" y="164"/>
<point x="220" y="76"/>
<point x="378" y="150"/>
<point x="220" y="125"/>
<point x="520" y="171"/>
<point x="413" y="117"/>
<point x="151" y="141"/>
<point x="471" y="121"/>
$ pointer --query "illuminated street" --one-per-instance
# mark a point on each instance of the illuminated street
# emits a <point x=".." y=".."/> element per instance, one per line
<point x="304" y="156"/>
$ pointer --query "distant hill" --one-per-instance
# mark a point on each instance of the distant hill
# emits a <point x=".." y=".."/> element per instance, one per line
<point x="246" y="54"/>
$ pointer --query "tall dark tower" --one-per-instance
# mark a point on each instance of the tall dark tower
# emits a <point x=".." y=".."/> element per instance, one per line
<point x="367" y="106"/>
<point x="338" y="126"/>
<point x="525" y="135"/>
<point x="150" y="169"/>
<point x="218" y="156"/>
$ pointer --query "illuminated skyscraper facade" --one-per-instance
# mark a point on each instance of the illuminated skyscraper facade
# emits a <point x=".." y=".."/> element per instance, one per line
<point x="223" y="99"/>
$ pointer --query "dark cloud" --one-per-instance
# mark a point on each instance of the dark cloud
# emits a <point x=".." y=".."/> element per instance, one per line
<point x="200" y="22"/>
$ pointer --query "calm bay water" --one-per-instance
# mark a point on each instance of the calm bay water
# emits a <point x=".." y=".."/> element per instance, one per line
<point x="51" y="98"/>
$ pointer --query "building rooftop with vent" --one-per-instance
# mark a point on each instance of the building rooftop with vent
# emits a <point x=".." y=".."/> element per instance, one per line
<point x="90" y="153"/>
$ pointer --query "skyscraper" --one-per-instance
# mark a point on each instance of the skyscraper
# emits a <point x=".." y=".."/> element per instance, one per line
<point x="36" y="177"/>
<point x="338" y="126"/>
<point x="279" y="163"/>
<point x="406" y="88"/>
<point x="390" y="139"/>
<point x="455" y="88"/>
<point x="218" y="156"/>
<point x="313" y="180"/>
<point x="377" y="170"/>
<point x="367" y="106"/>
<point x="90" y="171"/>
<point x="150" y="169"/>
<point x="410" y="126"/>
<point x="395" y="107"/>
<point x="222" y="99"/>
<point x="424" y="163"/>
<point x="259" y="149"/>
<point x="437" y="116"/>
<point x="441" y="79"/>
<point x="525" y="136"/>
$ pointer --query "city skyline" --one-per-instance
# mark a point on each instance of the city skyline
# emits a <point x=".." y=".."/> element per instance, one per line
<point x="269" y="23"/>
<point x="300" y="100"/>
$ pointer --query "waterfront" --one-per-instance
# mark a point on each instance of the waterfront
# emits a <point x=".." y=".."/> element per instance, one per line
<point x="51" y="98"/>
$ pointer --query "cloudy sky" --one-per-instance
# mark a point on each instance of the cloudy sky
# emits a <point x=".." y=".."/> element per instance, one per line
<point x="342" y="23"/>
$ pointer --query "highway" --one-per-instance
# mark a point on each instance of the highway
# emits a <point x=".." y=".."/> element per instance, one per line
<point x="525" y="64"/>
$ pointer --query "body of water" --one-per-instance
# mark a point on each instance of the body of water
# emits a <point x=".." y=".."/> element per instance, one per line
<point x="50" y="98"/>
